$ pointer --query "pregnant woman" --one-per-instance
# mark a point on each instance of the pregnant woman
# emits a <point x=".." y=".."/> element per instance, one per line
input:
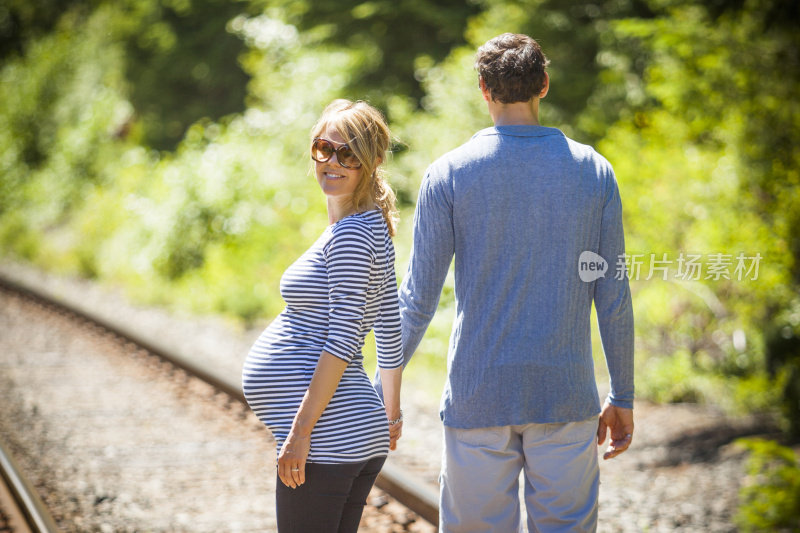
<point x="304" y="376"/>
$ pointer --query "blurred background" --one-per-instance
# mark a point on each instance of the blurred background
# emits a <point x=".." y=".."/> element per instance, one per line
<point x="162" y="146"/>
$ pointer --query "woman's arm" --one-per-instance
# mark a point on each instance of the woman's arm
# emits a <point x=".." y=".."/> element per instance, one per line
<point x="295" y="449"/>
<point x="391" y="400"/>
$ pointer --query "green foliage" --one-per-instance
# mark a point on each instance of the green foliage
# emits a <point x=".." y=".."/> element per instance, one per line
<point x="178" y="55"/>
<point x="770" y="496"/>
<point x="392" y="35"/>
<point x="184" y="64"/>
<point x="23" y="21"/>
<point x="60" y="111"/>
<point x="783" y="363"/>
<point x="714" y="131"/>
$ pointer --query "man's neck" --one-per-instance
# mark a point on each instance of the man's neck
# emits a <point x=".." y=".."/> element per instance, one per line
<point x="516" y="114"/>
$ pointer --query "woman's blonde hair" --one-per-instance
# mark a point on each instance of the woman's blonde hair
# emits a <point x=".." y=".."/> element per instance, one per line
<point x="368" y="136"/>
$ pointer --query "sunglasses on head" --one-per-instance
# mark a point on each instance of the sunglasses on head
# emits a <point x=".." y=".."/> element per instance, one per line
<point x="322" y="150"/>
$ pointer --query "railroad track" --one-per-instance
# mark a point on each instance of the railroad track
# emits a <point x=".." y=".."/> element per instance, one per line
<point x="21" y="509"/>
<point x="417" y="496"/>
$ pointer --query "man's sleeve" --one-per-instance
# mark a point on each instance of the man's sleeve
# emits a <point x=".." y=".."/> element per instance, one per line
<point x="431" y="253"/>
<point x="612" y="300"/>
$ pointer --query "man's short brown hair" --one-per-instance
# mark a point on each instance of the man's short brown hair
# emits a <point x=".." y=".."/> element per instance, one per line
<point x="513" y="67"/>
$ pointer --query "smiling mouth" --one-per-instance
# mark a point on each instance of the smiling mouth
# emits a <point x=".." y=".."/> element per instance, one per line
<point x="332" y="176"/>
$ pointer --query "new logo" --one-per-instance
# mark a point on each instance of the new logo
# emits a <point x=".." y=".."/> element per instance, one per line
<point x="591" y="266"/>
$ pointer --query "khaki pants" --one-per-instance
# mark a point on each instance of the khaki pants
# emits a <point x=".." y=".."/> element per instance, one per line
<point x="481" y="475"/>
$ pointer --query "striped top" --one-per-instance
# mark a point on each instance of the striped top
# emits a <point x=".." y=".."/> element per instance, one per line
<point x="335" y="293"/>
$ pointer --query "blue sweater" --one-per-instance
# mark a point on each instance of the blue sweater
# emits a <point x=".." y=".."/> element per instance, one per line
<point x="517" y="206"/>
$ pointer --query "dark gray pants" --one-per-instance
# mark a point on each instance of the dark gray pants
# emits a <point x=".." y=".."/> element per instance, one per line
<point x="331" y="500"/>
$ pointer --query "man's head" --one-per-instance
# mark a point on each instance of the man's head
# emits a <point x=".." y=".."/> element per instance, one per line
<point x="512" y="67"/>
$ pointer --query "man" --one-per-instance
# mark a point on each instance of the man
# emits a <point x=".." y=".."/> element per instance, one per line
<point x="524" y="210"/>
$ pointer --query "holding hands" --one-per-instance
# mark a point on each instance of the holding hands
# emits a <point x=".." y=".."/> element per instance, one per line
<point x="389" y="388"/>
<point x="395" y="426"/>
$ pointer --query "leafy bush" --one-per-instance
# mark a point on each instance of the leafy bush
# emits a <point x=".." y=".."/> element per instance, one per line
<point x="770" y="496"/>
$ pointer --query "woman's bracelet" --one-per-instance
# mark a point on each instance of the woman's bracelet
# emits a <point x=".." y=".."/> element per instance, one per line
<point x="397" y="420"/>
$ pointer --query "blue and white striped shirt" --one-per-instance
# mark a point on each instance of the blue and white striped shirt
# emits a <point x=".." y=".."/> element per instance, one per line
<point x="335" y="293"/>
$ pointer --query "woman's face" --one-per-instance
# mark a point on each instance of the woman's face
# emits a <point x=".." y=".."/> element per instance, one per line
<point x="333" y="178"/>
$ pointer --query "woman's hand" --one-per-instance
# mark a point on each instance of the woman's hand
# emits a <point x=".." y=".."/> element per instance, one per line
<point x="292" y="459"/>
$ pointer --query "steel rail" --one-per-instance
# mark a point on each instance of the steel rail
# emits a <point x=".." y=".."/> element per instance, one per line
<point x="404" y="487"/>
<point x="35" y="512"/>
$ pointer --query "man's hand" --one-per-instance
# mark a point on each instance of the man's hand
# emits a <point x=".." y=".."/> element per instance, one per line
<point x="620" y="421"/>
<point x="395" y="429"/>
<point x="395" y="432"/>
